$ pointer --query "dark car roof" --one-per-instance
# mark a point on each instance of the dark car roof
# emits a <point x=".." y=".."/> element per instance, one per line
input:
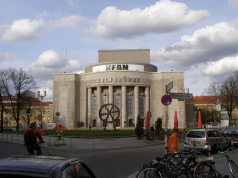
<point x="43" y="164"/>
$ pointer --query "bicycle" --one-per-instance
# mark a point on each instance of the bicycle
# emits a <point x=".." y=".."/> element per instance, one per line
<point x="208" y="168"/>
<point x="150" y="137"/>
<point x="172" y="164"/>
<point x="169" y="165"/>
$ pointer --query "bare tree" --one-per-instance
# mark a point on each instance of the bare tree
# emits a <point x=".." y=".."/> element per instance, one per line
<point x="18" y="86"/>
<point x="226" y="92"/>
<point x="2" y="106"/>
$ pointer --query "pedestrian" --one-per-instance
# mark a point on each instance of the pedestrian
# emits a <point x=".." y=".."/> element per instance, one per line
<point x="30" y="140"/>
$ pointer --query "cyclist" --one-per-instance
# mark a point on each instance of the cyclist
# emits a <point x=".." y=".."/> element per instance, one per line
<point x="30" y="139"/>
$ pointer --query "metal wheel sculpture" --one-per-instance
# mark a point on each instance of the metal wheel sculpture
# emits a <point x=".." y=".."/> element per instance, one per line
<point x="109" y="113"/>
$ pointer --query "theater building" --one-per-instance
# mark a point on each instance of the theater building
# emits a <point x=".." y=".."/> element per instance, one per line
<point x="124" y="78"/>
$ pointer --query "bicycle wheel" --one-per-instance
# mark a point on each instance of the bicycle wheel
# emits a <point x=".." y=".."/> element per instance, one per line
<point x="148" y="173"/>
<point x="233" y="169"/>
<point x="155" y="138"/>
<point x="184" y="172"/>
<point x="147" y="138"/>
<point x="204" y="170"/>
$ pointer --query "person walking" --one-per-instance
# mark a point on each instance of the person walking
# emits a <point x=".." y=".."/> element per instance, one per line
<point x="30" y="140"/>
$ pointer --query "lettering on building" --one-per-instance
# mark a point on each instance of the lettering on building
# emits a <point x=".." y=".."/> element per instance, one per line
<point x="117" y="67"/>
<point x="128" y="79"/>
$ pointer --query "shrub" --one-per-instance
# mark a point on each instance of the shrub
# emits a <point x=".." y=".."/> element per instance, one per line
<point x="158" y="126"/>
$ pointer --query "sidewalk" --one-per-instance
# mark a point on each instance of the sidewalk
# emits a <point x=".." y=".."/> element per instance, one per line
<point x="82" y="143"/>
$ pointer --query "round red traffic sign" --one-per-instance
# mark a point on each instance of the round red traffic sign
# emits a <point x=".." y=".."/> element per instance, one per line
<point x="57" y="113"/>
<point x="166" y="100"/>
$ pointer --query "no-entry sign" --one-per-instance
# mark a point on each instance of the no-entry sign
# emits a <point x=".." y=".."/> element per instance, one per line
<point x="166" y="100"/>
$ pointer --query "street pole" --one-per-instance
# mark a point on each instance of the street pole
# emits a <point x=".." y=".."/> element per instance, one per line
<point x="41" y="96"/>
<point x="166" y="126"/>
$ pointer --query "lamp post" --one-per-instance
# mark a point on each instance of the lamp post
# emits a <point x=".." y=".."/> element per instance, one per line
<point x="195" y="108"/>
<point x="41" y="97"/>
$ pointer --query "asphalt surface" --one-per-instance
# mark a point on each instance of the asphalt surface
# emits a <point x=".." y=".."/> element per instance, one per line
<point x="75" y="144"/>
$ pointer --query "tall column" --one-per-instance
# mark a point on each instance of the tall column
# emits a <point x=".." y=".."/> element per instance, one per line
<point x="147" y="99"/>
<point x="123" y="108"/>
<point x="136" y="102"/>
<point x="110" y="101"/>
<point x="99" y="121"/>
<point x="90" y="107"/>
<point x="110" y="94"/>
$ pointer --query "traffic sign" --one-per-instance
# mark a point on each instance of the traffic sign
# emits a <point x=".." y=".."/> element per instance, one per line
<point x="166" y="100"/>
<point x="57" y="113"/>
<point x="39" y="117"/>
<point x="181" y="96"/>
<point x="169" y="87"/>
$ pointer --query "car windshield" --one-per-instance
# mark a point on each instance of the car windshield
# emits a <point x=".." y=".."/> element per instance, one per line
<point x="196" y="134"/>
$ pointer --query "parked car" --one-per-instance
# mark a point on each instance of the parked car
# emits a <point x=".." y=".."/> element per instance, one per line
<point x="206" y="139"/>
<point x="231" y="132"/>
<point x="7" y="129"/>
<point x="42" y="166"/>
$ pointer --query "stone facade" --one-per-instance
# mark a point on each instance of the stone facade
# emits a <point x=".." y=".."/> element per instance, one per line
<point x="134" y="86"/>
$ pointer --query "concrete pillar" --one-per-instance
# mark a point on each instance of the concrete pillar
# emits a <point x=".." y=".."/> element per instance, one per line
<point x="123" y="108"/>
<point x="147" y="98"/>
<point x="136" y="102"/>
<point x="110" y="99"/>
<point x="90" y="122"/>
<point x="99" y="101"/>
<point x="110" y="94"/>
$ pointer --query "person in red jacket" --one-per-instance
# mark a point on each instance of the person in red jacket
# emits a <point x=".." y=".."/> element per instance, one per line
<point x="30" y="139"/>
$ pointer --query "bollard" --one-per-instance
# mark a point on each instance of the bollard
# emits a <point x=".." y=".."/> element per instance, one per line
<point x="173" y="143"/>
<point x="12" y="137"/>
<point x="42" y="133"/>
<point x="17" y="137"/>
<point x="70" y="143"/>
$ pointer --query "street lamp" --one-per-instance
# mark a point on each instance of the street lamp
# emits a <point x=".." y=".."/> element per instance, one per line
<point x="41" y="97"/>
<point x="195" y="108"/>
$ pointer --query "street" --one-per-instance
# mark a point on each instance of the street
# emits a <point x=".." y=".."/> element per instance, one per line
<point x="107" y="162"/>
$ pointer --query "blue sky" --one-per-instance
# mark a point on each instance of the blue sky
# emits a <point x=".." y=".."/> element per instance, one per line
<point x="199" y="37"/>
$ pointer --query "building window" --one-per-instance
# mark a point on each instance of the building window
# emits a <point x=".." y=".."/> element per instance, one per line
<point x="44" y="112"/>
<point x="117" y="103"/>
<point x="130" y="105"/>
<point x="94" y="106"/>
<point x="104" y="101"/>
<point x="142" y="109"/>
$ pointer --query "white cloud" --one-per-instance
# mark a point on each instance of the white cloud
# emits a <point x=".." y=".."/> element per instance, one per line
<point x="4" y="56"/>
<point x="50" y="59"/>
<point x="67" y="21"/>
<point x="205" y="45"/>
<point x="223" y="66"/>
<point x="162" y="17"/>
<point x="26" y="29"/>
<point x="23" y="29"/>
<point x="233" y="4"/>
<point x="50" y="62"/>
